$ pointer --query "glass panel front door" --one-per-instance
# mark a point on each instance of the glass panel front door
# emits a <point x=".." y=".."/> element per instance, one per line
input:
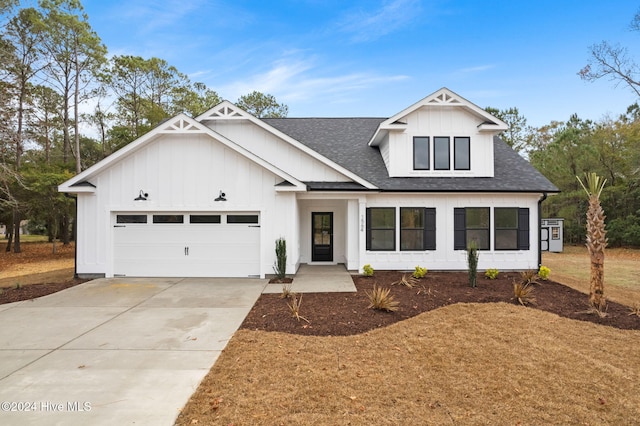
<point x="322" y="237"/>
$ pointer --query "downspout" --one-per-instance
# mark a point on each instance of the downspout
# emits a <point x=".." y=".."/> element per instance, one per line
<point x="544" y="197"/>
<point x="75" y="235"/>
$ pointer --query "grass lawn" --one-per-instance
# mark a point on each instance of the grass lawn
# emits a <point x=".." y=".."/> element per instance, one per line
<point x="463" y="364"/>
<point x="621" y="272"/>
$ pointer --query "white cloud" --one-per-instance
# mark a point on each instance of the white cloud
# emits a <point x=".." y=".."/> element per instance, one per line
<point x="299" y="80"/>
<point x="369" y="25"/>
<point x="476" y="69"/>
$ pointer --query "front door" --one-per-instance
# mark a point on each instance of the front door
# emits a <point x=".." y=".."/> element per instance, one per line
<point x="322" y="237"/>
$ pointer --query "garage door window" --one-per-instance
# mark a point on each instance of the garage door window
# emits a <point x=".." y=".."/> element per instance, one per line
<point x="131" y="218"/>
<point x="242" y="218"/>
<point x="204" y="218"/>
<point x="168" y="218"/>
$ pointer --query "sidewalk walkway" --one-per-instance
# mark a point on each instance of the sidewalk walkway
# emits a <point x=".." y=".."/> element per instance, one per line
<point x="318" y="279"/>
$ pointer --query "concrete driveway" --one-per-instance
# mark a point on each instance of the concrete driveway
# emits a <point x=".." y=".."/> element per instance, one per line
<point x="116" y="351"/>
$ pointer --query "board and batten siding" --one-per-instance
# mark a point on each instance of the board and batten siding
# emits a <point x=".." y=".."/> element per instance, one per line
<point x="182" y="174"/>
<point x="445" y="257"/>
<point x="276" y="151"/>
<point x="435" y="121"/>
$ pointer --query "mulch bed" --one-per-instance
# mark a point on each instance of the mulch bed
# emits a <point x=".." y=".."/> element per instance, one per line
<point x="343" y="314"/>
<point x="27" y="292"/>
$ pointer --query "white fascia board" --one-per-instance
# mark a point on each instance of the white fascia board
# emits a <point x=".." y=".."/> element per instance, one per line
<point x="232" y="112"/>
<point x="453" y="99"/>
<point x="290" y="189"/>
<point x="186" y="125"/>
<point x="82" y="189"/>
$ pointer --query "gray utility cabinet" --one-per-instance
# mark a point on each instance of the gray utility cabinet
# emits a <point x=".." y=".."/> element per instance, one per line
<point x="551" y="231"/>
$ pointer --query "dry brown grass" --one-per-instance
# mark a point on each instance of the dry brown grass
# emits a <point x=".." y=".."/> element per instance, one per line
<point x="463" y="364"/>
<point x="621" y="272"/>
<point x="36" y="264"/>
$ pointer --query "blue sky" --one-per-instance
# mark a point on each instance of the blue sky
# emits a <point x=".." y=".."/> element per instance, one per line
<point x="376" y="57"/>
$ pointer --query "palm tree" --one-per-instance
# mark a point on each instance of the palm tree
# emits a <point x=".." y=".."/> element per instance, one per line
<point x="596" y="238"/>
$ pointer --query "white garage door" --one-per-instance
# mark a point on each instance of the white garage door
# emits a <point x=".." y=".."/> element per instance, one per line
<point x="186" y="245"/>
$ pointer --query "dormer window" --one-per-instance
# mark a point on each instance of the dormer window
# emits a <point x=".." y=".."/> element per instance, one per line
<point x="441" y="153"/>
<point x="462" y="153"/>
<point x="422" y="153"/>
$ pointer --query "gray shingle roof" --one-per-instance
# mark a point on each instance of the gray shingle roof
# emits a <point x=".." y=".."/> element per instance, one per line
<point x="345" y="142"/>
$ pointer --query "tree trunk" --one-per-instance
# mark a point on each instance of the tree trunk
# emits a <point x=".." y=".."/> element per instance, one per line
<point x="596" y="288"/>
<point x="596" y="243"/>
<point x="9" y="237"/>
<point x="65" y="230"/>
<point x="16" y="230"/>
<point x="76" y="91"/>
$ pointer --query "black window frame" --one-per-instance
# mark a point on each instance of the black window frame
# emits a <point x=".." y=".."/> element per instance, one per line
<point x="501" y="229"/>
<point x="461" y="228"/>
<point x="205" y="219"/>
<point x="457" y="139"/>
<point x="417" y="146"/>
<point x="436" y="140"/>
<point x="372" y="230"/>
<point x="131" y="218"/>
<point x="168" y="219"/>
<point x="428" y="228"/>
<point x="243" y="219"/>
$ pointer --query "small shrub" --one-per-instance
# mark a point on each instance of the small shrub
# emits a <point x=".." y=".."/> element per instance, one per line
<point x="529" y="277"/>
<point x="472" y="261"/>
<point x="280" y="266"/>
<point x="381" y="299"/>
<point x="18" y="286"/>
<point x="522" y="292"/>
<point x="286" y="291"/>
<point x="367" y="270"/>
<point x="544" y="272"/>
<point x="407" y="282"/>
<point x="599" y="310"/>
<point x="294" y="307"/>
<point x="491" y="273"/>
<point x="420" y="272"/>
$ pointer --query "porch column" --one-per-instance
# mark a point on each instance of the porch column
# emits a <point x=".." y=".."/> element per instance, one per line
<point x="353" y="235"/>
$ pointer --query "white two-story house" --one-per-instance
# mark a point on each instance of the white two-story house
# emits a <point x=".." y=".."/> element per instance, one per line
<point x="209" y="196"/>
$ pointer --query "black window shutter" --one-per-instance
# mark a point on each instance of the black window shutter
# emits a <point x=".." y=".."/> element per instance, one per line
<point x="368" y="229"/>
<point x="430" y="228"/>
<point x="459" y="229"/>
<point x="523" y="229"/>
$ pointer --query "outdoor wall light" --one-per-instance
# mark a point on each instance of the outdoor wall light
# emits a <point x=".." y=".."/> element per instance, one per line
<point x="142" y="197"/>
<point x="221" y="197"/>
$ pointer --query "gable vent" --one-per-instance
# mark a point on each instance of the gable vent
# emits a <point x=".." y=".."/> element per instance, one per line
<point x="444" y="98"/>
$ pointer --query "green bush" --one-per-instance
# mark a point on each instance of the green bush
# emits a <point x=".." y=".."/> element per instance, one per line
<point x="367" y="270"/>
<point x="491" y="273"/>
<point x="280" y="266"/>
<point x="420" y="272"/>
<point x="472" y="261"/>
<point x="544" y="272"/>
